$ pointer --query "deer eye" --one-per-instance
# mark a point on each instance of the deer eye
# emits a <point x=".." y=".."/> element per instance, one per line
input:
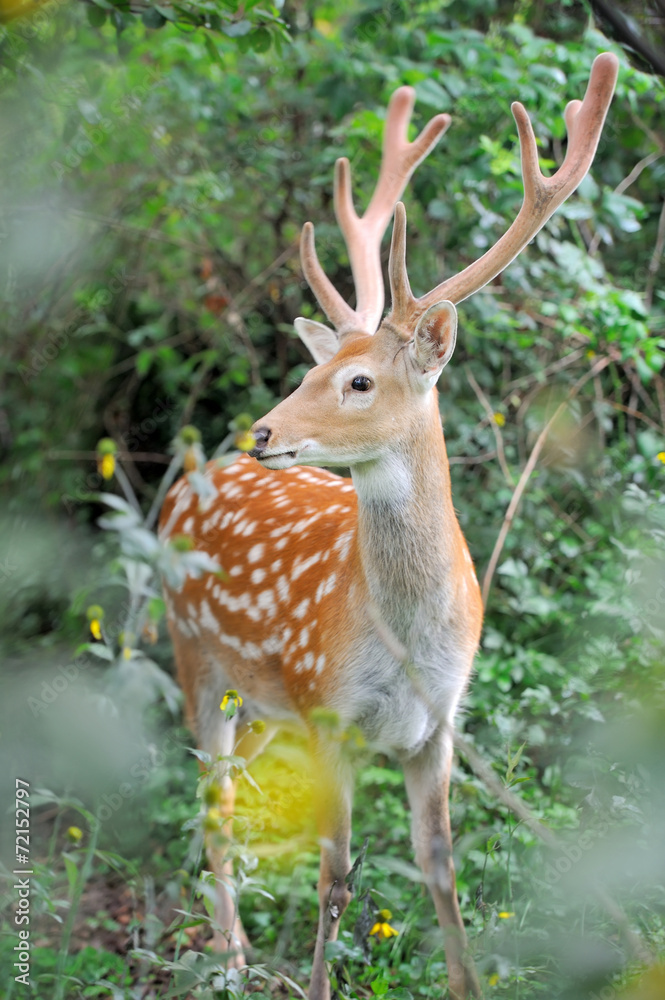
<point x="361" y="383"/>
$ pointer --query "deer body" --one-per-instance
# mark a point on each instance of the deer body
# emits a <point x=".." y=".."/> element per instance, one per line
<point x="356" y="596"/>
<point x="293" y="633"/>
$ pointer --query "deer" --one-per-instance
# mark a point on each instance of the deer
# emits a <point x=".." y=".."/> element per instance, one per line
<point x="355" y="595"/>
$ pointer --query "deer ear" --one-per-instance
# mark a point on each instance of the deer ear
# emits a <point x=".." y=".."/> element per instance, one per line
<point x="434" y="340"/>
<point x="321" y="342"/>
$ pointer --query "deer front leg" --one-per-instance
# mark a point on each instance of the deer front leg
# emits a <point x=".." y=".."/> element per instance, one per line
<point x="333" y="793"/>
<point x="427" y="777"/>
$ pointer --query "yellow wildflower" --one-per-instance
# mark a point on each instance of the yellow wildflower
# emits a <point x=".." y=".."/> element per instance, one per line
<point x="75" y="834"/>
<point x="107" y="466"/>
<point x="661" y="457"/>
<point x="106" y="451"/>
<point x="95" y="614"/>
<point x="505" y="915"/>
<point x="245" y="440"/>
<point x="493" y="979"/>
<point x="231" y="698"/>
<point x="382" y="928"/>
<point x="213" y="819"/>
<point x="590" y="354"/>
<point x="499" y="419"/>
<point x="127" y="653"/>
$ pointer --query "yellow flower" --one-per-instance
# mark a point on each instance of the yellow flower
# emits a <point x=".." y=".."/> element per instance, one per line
<point x="107" y="466"/>
<point x="74" y="833"/>
<point x="231" y="697"/>
<point x="505" y="915"/>
<point x="590" y="355"/>
<point x="382" y="928"/>
<point x="493" y="979"/>
<point x="661" y="457"/>
<point x="127" y="653"/>
<point x="95" y="614"/>
<point x="190" y="460"/>
<point x="245" y="440"/>
<point x="213" y="820"/>
<point x="499" y="419"/>
<point x="106" y="451"/>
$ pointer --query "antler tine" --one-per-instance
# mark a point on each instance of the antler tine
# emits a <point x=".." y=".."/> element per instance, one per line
<point x="542" y="195"/>
<point x="363" y="235"/>
<point x="402" y="300"/>
<point x="339" y="312"/>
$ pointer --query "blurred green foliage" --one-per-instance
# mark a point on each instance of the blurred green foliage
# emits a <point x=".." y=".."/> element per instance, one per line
<point x="154" y="186"/>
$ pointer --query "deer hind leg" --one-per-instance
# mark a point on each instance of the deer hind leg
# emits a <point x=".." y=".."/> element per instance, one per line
<point x="333" y="793"/>
<point x="222" y="740"/>
<point x="427" y="777"/>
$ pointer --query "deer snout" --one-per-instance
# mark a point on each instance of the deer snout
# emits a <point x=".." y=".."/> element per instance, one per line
<point x="261" y="436"/>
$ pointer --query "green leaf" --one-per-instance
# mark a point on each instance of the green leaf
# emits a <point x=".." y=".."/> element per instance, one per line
<point x="260" y="40"/>
<point x="212" y="50"/>
<point x="96" y="16"/>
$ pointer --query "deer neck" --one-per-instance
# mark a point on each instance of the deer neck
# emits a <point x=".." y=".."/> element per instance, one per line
<point x="408" y="534"/>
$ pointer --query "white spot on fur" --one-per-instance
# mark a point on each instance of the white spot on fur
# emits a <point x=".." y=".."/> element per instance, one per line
<point x="300" y="566"/>
<point x="208" y="620"/>
<point x="301" y="610"/>
<point x="273" y="644"/>
<point x="326" y="586"/>
<point x="278" y="532"/>
<point x="266" y="602"/>
<point x="343" y="544"/>
<point x="258" y="576"/>
<point x="256" y="552"/>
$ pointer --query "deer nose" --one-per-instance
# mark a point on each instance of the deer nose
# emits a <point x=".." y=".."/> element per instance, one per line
<point x="261" y="435"/>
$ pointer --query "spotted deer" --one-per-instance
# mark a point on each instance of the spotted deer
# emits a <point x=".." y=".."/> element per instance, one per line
<point x="356" y="596"/>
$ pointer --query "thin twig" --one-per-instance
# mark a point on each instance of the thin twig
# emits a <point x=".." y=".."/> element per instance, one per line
<point x="258" y="280"/>
<point x="472" y="459"/>
<point x="656" y="257"/>
<point x="600" y="364"/>
<point x="567" y="359"/>
<point x="624" y="185"/>
<point x="121" y="456"/>
<point x="639" y="415"/>
<point x="151" y="234"/>
<point x="483" y="771"/>
<point x="485" y="403"/>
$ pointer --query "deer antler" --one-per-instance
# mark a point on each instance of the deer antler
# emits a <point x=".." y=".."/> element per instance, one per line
<point x="363" y="235"/>
<point x="542" y="196"/>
